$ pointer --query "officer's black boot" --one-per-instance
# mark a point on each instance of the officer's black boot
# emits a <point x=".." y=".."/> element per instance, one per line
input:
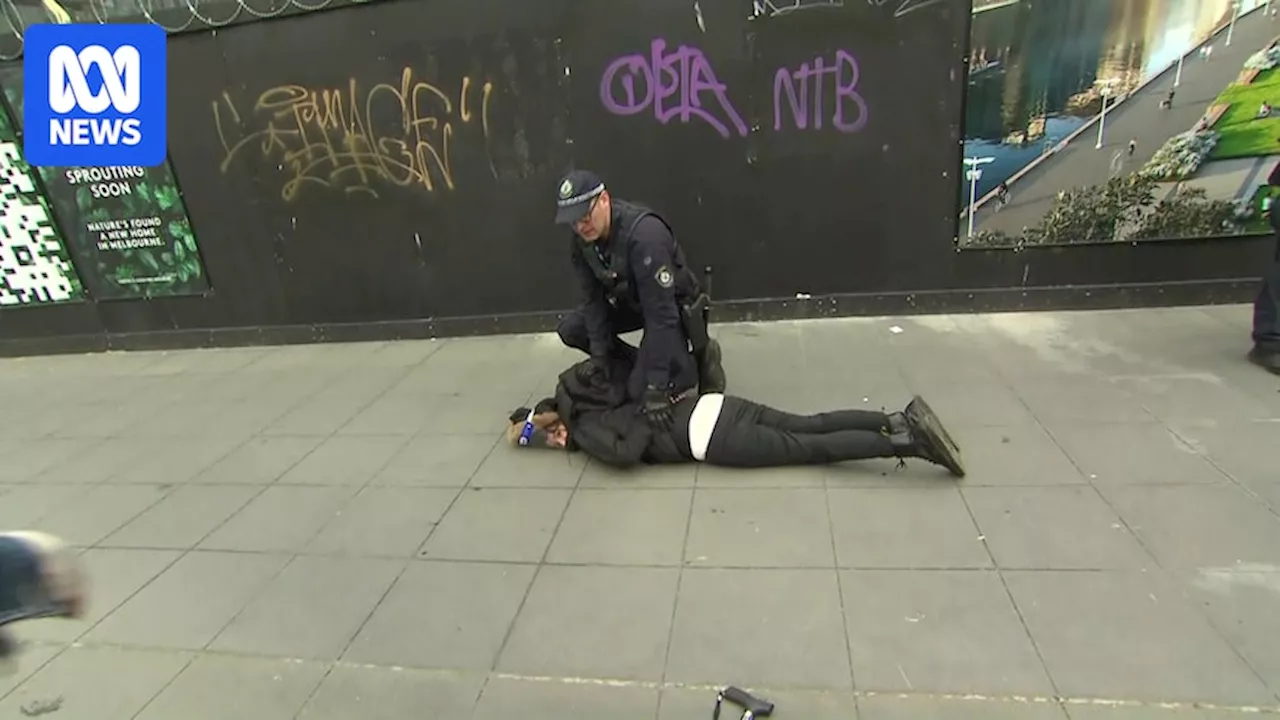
<point x="917" y="432"/>
<point x="1267" y="358"/>
<point x="711" y="377"/>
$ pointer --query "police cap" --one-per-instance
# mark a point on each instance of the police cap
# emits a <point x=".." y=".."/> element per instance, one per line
<point x="574" y="195"/>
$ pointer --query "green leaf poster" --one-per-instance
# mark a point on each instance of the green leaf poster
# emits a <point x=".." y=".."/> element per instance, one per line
<point x="127" y="226"/>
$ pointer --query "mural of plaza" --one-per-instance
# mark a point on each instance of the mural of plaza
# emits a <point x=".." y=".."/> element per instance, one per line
<point x="1184" y="148"/>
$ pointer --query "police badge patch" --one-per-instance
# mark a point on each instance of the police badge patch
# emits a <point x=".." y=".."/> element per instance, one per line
<point x="664" y="277"/>
<point x="566" y="189"/>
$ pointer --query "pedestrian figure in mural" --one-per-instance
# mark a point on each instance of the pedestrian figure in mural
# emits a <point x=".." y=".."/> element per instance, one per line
<point x="1002" y="195"/>
<point x="1266" y="307"/>
<point x="633" y="276"/>
<point x="592" y="414"/>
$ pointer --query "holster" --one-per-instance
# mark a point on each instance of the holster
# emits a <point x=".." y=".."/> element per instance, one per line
<point x="693" y="316"/>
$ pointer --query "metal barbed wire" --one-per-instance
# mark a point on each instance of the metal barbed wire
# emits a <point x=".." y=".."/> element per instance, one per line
<point x="175" y="16"/>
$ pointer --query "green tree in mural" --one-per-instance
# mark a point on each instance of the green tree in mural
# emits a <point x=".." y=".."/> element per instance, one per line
<point x="1124" y="208"/>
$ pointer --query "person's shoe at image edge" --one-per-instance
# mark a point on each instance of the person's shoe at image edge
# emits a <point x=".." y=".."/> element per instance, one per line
<point x="917" y="432"/>
<point x="1266" y="358"/>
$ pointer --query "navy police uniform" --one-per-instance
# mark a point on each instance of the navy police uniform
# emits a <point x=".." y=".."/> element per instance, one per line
<point x="637" y="278"/>
<point x="1266" y="307"/>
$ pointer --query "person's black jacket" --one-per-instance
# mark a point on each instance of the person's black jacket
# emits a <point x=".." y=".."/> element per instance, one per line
<point x="609" y="427"/>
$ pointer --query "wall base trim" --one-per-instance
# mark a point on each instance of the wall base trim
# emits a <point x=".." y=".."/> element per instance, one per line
<point x="1076" y="297"/>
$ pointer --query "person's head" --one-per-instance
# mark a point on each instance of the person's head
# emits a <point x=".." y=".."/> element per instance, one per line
<point x="583" y="204"/>
<point x="538" y="427"/>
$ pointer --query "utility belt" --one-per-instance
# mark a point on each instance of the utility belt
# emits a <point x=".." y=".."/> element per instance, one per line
<point x="693" y="317"/>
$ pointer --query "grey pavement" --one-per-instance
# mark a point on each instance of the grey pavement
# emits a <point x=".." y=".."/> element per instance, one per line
<point x="335" y="531"/>
<point x="1139" y="117"/>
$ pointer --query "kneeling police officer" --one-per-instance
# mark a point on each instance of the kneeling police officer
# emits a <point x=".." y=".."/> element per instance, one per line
<point x="634" y="275"/>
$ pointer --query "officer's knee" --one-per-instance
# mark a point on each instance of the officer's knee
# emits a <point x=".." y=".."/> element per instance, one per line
<point x="573" y="331"/>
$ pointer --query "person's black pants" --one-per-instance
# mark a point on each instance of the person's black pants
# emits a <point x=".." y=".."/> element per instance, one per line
<point x="749" y="434"/>
<point x="1266" y="307"/>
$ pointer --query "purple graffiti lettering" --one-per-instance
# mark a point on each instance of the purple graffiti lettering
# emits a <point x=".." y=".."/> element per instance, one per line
<point x="808" y="96"/>
<point x="680" y="77"/>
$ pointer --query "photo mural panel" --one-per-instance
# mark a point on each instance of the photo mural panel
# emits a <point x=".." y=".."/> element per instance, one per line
<point x="175" y="16"/>
<point x="128" y="226"/>
<point x="35" y="268"/>
<point x="1184" y="148"/>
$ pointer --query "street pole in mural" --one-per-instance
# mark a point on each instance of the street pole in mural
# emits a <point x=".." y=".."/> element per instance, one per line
<point x="127" y="226"/>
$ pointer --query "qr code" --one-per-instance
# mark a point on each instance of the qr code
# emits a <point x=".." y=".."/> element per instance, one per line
<point x="33" y="263"/>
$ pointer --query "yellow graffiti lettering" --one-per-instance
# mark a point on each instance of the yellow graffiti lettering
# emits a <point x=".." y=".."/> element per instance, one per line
<point x="343" y="137"/>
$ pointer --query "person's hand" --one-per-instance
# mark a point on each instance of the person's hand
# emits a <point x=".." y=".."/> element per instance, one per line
<point x="657" y="408"/>
<point x="597" y="366"/>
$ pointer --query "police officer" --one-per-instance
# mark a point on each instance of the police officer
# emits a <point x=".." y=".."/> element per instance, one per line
<point x="1266" y="307"/>
<point x="633" y="275"/>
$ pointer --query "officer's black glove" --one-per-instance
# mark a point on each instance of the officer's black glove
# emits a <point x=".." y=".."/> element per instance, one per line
<point x="595" y="367"/>
<point x="657" y="408"/>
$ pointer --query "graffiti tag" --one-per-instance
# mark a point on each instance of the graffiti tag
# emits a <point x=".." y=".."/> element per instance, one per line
<point x="674" y="84"/>
<point x="802" y="90"/>
<point x="352" y="139"/>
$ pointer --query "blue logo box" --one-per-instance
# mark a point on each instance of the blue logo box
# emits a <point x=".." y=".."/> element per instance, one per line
<point x="95" y="95"/>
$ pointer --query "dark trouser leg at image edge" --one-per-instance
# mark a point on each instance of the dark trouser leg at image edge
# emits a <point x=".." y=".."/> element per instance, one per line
<point x="1266" y="316"/>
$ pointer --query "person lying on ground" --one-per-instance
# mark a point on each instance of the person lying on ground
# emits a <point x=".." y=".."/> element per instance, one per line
<point x="39" y="577"/>
<point x="596" y="418"/>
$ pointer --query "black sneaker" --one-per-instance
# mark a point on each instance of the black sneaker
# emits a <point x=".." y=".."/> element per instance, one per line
<point x="711" y="377"/>
<point x="1268" y="360"/>
<point x="933" y="441"/>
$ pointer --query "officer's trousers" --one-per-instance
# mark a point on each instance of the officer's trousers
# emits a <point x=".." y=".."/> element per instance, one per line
<point x="749" y="434"/>
<point x="573" y="332"/>
<point x="573" y="329"/>
<point x="1266" y="307"/>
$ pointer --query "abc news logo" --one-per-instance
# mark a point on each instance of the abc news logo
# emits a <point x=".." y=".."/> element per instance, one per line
<point x="121" y="91"/>
<point x="95" y="95"/>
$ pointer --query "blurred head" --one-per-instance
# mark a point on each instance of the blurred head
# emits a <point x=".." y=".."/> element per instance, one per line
<point x="583" y="203"/>
<point x="540" y="427"/>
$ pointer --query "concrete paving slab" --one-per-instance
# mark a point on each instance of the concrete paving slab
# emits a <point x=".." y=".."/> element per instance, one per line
<point x="280" y="519"/>
<point x="351" y="513"/>
<point x="1064" y="527"/>
<point x="499" y="525"/>
<point x="786" y="528"/>
<point x="381" y="693"/>
<point x="506" y="698"/>
<point x="438" y="460"/>
<point x="311" y="610"/>
<point x="216" y="687"/>
<point x="1128" y="634"/>
<point x="593" y="621"/>
<point x="444" y="615"/>
<point x="624" y="526"/>
<point x="950" y="631"/>
<point x="1132" y="453"/>
<point x="190" y="602"/>
<point x="914" y="527"/>
<point x="760" y="627"/>
<point x="95" y="683"/>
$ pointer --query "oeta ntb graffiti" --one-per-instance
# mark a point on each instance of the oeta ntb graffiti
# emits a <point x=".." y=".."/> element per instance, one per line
<point x="680" y="83"/>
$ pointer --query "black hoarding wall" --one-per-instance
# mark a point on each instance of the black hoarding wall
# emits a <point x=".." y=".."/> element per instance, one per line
<point x="389" y="169"/>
